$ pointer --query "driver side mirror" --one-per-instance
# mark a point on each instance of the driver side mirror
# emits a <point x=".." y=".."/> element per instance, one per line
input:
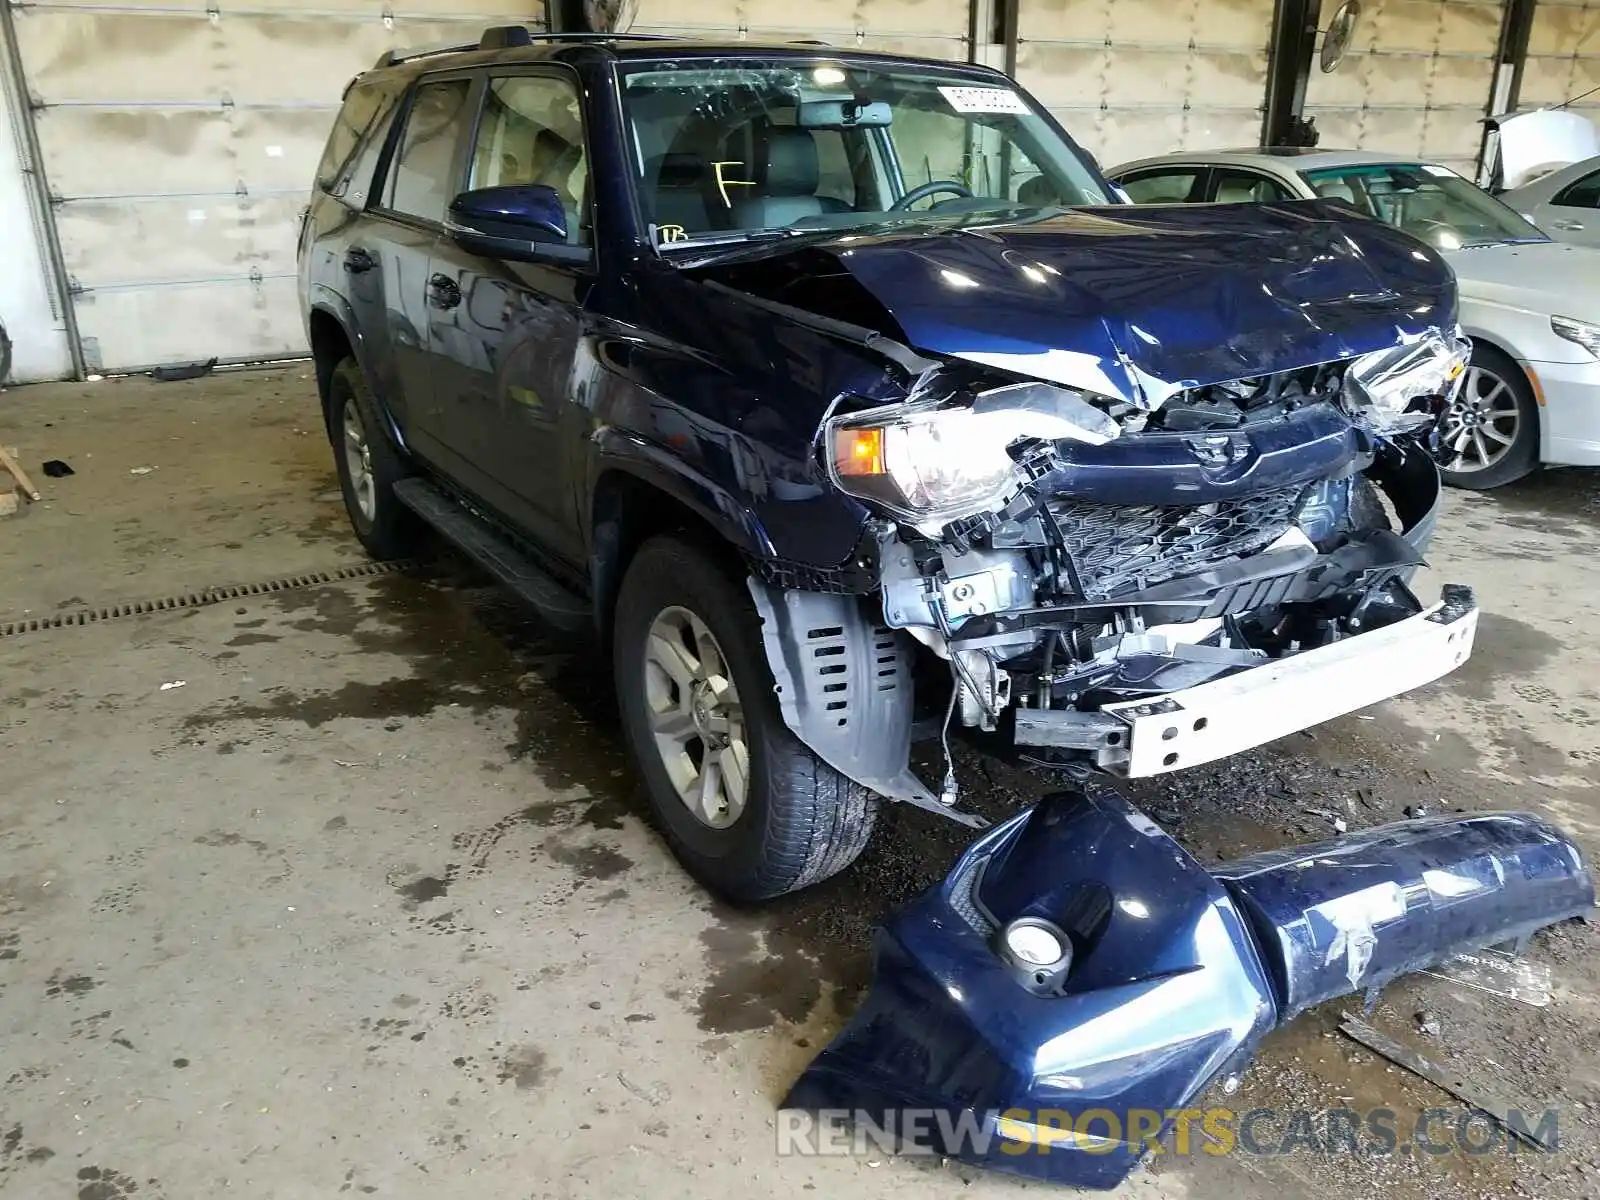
<point x="507" y="222"/>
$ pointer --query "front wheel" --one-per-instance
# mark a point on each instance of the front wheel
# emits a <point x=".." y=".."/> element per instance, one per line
<point x="749" y="810"/>
<point x="1492" y="425"/>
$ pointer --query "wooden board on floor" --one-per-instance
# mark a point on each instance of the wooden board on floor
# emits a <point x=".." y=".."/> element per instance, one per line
<point x="23" y="482"/>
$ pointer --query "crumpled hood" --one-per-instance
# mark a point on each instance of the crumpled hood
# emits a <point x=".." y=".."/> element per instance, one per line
<point x="1139" y="302"/>
<point x="1548" y="277"/>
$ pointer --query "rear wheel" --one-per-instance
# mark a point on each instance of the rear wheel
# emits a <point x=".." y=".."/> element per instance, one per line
<point x="1493" y="424"/>
<point x="748" y="809"/>
<point x="370" y="464"/>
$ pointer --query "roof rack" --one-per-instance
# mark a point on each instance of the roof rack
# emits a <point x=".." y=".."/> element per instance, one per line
<point x="508" y="37"/>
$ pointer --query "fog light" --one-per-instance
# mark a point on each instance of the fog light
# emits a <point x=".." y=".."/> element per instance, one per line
<point x="1037" y="952"/>
<point x="1034" y="943"/>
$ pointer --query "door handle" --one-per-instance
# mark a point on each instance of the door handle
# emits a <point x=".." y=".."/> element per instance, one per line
<point x="1572" y="226"/>
<point x="357" y="260"/>
<point x="443" y="292"/>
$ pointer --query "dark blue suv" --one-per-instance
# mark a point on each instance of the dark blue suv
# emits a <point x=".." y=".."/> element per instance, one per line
<point x="841" y="397"/>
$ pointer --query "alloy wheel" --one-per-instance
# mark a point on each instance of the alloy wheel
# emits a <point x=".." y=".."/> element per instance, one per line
<point x="696" y="719"/>
<point x="358" y="458"/>
<point x="1483" y="421"/>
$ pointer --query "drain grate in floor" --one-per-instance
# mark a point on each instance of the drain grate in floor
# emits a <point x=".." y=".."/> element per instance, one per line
<point x="199" y="599"/>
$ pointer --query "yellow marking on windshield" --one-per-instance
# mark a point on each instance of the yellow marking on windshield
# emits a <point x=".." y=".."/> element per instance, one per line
<point x="724" y="183"/>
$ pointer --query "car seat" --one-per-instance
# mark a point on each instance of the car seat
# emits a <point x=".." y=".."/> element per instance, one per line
<point x="675" y="189"/>
<point x="1337" y="189"/>
<point x="1238" y="191"/>
<point x="784" y="189"/>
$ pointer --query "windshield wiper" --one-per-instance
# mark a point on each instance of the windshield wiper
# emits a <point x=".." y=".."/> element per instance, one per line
<point x="736" y="238"/>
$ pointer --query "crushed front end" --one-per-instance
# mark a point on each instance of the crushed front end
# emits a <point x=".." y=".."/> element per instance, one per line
<point x="1140" y="576"/>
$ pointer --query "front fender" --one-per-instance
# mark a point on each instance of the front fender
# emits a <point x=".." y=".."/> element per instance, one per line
<point x="619" y="450"/>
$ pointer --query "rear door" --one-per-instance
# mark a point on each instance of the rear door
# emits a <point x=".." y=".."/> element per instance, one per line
<point x="505" y="334"/>
<point x="404" y="221"/>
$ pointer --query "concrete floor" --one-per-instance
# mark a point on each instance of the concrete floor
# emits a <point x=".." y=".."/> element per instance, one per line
<point x="366" y="905"/>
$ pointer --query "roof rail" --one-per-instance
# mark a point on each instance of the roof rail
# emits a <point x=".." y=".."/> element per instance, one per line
<point x="507" y="37"/>
<point x="503" y="37"/>
<point x="390" y="57"/>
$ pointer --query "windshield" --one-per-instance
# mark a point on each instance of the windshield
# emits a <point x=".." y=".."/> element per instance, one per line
<point x="1427" y="201"/>
<point x="732" y="148"/>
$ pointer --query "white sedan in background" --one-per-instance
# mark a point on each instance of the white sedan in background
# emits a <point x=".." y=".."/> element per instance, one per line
<point x="1530" y="305"/>
<point x="1565" y="203"/>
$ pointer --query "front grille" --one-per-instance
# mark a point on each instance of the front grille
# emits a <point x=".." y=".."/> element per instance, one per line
<point x="1123" y="548"/>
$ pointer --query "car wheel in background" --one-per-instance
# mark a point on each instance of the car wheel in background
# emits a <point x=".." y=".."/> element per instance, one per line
<point x="1493" y="424"/>
<point x="749" y="811"/>
<point x="370" y="464"/>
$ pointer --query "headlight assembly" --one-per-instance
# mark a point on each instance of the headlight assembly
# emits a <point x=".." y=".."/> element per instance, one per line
<point x="932" y="463"/>
<point x="1585" y="334"/>
<point x="1404" y="388"/>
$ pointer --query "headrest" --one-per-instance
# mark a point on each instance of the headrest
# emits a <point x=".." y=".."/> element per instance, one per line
<point x="787" y="162"/>
<point x="676" y="169"/>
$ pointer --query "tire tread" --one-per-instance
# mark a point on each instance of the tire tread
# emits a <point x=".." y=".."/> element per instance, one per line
<point x="818" y="821"/>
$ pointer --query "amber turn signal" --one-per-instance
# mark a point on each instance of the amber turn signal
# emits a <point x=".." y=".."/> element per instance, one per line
<point x="858" y="452"/>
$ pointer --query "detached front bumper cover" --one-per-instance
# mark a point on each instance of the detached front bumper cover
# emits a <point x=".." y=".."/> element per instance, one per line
<point x="1176" y="972"/>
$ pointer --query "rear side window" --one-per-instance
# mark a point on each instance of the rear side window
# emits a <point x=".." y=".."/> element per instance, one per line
<point x="1246" y="187"/>
<point x="365" y="105"/>
<point x="423" y="180"/>
<point x="1164" y="187"/>
<point x="1585" y="193"/>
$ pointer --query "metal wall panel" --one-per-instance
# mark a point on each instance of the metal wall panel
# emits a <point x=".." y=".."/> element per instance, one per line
<point x="27" y="306"/>
<point x="929" y="28"/>
<point x="1417" y="81"/>
<point x="1563" y="56"/>
<point x="180" y="143"/>
<point x="1140" y="77"/>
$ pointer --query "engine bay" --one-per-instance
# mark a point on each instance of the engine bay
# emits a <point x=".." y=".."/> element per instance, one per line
<point x="1236" y="524"/>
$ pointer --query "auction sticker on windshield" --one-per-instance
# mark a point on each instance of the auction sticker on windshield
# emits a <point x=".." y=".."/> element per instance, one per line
<point x="984" y="100"/>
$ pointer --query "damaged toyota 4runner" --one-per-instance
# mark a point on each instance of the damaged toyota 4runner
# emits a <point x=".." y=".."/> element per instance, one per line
<point x="838" y="393"/>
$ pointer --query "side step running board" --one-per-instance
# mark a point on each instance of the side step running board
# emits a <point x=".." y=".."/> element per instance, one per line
<point x="481" y="542"/>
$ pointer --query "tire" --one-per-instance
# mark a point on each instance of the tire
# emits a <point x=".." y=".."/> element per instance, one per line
<point x="1495" y="401"/>
<point x="800" y="821"/>
<point x="385" y="527"/>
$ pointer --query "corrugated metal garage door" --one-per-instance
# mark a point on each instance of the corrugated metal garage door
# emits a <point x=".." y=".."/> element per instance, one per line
<point x="1417" y="81"/>
<point x="1142" y="77"/>
<point x="929" y="28"/>
<point x="181" y="142"/>
<point x="1563" y="56"/>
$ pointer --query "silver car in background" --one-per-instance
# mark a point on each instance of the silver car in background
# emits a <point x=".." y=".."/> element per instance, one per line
<point x="1531" y="305"/>
<point x="1565" y="204"/>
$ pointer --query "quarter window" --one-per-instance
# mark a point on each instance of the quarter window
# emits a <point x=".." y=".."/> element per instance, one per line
<point x="531" y="134"/>
<point x="363" y="108"/>
<point x="1585" y="193"/>
<point x="422" y="181"/>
